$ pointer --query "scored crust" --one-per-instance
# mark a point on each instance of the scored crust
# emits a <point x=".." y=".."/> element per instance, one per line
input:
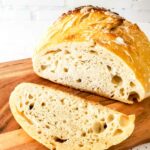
<point x="88" y="8"/>
<point x="105" y="29"/>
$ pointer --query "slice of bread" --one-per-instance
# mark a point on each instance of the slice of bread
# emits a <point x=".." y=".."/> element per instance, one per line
<point x="62" y="121"/>
<point x="95" y="50"/>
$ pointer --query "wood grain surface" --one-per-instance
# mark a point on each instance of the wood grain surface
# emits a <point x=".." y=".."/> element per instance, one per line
<point x="13" y="73"/>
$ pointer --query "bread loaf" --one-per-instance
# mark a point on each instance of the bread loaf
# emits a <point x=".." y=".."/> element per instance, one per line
<point x="62" y="121"/>
<point x="96" y="50"/>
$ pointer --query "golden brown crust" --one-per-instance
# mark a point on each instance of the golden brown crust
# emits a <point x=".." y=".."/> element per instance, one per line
<point x="108" y="29"/>
<point x="90" y="7"/>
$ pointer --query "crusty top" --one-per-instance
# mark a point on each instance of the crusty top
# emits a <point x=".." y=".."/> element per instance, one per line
<point x="108" y="29"/>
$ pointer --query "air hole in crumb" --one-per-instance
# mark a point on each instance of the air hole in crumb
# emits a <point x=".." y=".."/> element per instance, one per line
<point x="56" y="62"/>
<point x="113" y="124"/>
<point x="90" y="142"/>
<point x="76" y="108"/>
<point x="47" y="126"/>
<point x="20" y="105"/>
<point x="86" y="112"/>
<point x="49" y="58"/>
<point x="27" y="102"/>
<point x="97" y="127"/>
<point x="124" y="121"/>
<point x="53" y="51"/>
<point x="117" y="132"/>
<point x="85" y="105"/>
<point x="86" y="121"/>
<point x="65" y="70"/>
<point x="133" y="96"/>
<point x="122" y="91"/>
<point x="95" y="116"/>
<point x="110" y="118"/>
<point x="39" y="132"/>
<point x="102" y="119"/>
<point x="64" y="121"/>
<point x="112" y="91"/>
<point x="132" y="84"/>
<point x="66" y="52"/>
<point x="116" y="79"/>
<point x="53" y="71"/>
<point x="79" y="80"/>
<point x="30" y="96"/>
<point x="105" y="125"/>
<point x="31" y="106"/>
<point x="80" y="145"/>
<point x="90" y="130"/>
<point x="43" y="104"/>
<point x="106" y="143"/>
<point x="112" y="96"/>
<point x="93" y="52"/>
<point x="108" y="67"/>
<point x="35" y="115"/>
<point x="62" y="101"/>
<point x="83" y="134"/>
<point x="80" y="57"/>
<point x="59" y="140"/>
<point x="43" y="67"/>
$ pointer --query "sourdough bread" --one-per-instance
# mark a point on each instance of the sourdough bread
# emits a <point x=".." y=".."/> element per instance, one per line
<point x="62" y="121"/>
<point x="96" y="50"/>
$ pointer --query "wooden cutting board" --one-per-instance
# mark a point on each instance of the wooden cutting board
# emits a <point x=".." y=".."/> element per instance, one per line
<point x="13" y="73"/>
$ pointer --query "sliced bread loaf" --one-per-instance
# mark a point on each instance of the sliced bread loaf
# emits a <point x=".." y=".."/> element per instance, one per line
<point x="62" y="121"/>
<point x="95" y="50"/>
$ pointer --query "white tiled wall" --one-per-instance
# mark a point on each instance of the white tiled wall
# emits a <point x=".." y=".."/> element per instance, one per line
<point x="22" y="22"/>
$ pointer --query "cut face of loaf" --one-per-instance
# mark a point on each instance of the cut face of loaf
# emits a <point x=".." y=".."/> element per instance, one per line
<point x="95" y="50"/>
<point x="90" y="68"/>
<point x="61" y="121"/>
